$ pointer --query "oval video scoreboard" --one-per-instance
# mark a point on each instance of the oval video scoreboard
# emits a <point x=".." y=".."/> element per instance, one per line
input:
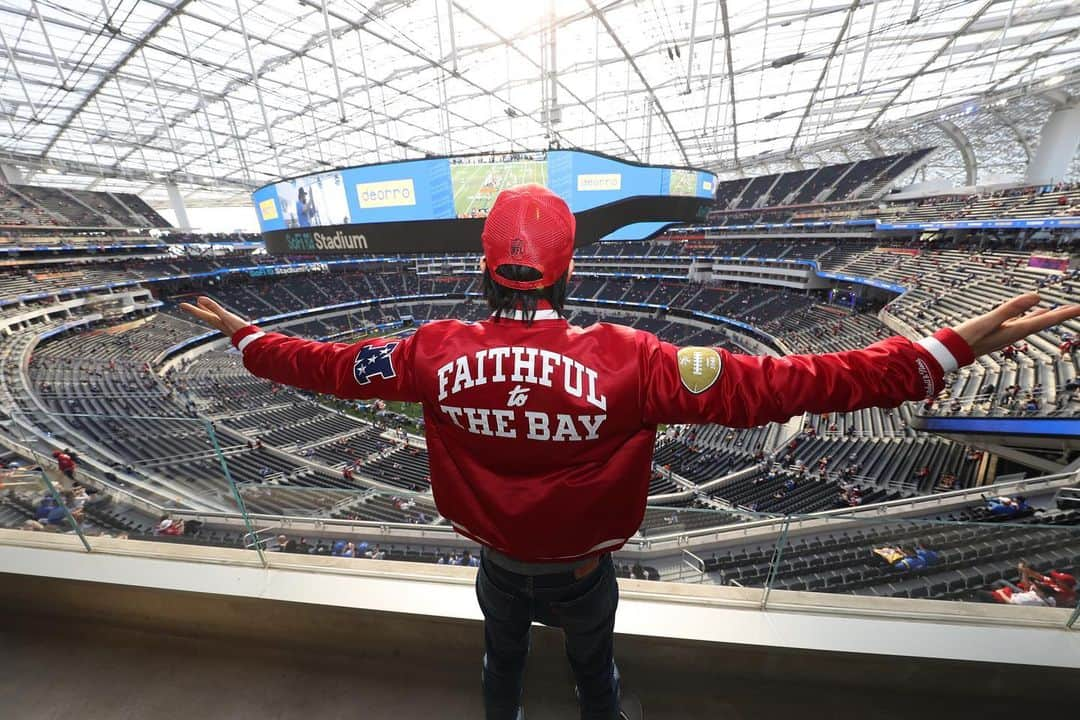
<point x="439" y="204"/>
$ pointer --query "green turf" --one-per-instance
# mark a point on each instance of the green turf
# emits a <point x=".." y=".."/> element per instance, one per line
<point x="683" y="182"/>
<point x="412" y="410"/>
<point x="475" y="186"/>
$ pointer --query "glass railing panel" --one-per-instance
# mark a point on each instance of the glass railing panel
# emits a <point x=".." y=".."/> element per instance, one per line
<point x="144" y="475"/>
<point x="984" y="553"/>
<point x="362" y="492"/>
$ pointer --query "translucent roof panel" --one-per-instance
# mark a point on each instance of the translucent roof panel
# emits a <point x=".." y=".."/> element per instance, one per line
<point x="230" y="94"/>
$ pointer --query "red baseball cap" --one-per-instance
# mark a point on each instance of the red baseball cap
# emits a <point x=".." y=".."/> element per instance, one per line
<point x="529" y="225"/>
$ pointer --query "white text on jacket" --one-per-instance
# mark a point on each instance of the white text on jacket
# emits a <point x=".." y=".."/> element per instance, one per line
<point x="522" y="367"/>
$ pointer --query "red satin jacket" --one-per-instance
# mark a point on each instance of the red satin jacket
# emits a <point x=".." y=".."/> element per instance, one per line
<point x="540" y="436"/>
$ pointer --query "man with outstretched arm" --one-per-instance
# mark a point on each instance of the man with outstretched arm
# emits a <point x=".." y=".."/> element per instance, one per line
<point x="540" y="434"/>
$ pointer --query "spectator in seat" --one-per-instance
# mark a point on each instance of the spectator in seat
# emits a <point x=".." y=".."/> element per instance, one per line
<point x="58" y="513"/>
<point x="1059" y="586"/>
<point x="917" y="559"/>
<point x="890" y="554"/>
<point x="1008" y="507"/>
<point x="44" y="507"/>
<point x="930" y="557"/>
<point x="1029" y="591"/>
<point x="66" y="463"/>
<point x="168" y="526"/>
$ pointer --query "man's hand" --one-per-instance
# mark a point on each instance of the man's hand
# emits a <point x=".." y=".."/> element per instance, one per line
<point x="215" y="316"/>
<point x="1011" y="321"/>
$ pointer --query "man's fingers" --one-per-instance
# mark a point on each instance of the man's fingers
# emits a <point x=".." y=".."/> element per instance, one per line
<point x="1039" y="321"/>
<point x="1033" y="313"/>
<point x="978" y="328"/>
<point x="1015" y="306"/>
<point x="209" y="304"/>
<point x="205" y="315"/>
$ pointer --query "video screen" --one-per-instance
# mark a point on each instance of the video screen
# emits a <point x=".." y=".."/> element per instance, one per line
<point x="314" y="200"/>
<point x="464" y="187"/>
<point x="683" y="183"/>
<point x="476" y="182"/>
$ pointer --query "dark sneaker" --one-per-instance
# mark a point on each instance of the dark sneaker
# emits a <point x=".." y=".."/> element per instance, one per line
<point x="630" y="707"/>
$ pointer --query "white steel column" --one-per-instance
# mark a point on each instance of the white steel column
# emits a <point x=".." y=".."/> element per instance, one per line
<point x="1058" y="142"/>
<point x="176" y="202"/>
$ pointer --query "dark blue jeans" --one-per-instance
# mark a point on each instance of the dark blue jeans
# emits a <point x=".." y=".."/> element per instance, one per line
<point x="584" y="609"/>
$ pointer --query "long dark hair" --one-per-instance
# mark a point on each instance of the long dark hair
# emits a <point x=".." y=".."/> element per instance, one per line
<point x="504" y="301"/>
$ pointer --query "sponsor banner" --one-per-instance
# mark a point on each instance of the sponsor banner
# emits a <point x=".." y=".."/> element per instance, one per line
<point x="277" y="270"/>
<point x="1057" y="427"/>
<point x="599" y="181"/>
<point x="892" y="287"/>
<point x="268" y="209"/>
<point x="1048" y="262"/>
<point x="339" y="241"/>
<point x="386" y="193"/>
<point x="1005" y="223"/>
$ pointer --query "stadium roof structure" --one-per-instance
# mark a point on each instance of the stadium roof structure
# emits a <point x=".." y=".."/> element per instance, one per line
<point x="220" y="96"/>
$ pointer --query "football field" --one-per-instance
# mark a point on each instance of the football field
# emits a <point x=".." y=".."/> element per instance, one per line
<point x="475" y="186"/>
<point x="683" y="182"/>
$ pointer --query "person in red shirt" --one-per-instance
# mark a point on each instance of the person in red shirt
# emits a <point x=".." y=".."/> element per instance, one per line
<point x="1059" y="585"/>
<point x="65" y="463"/>
<point x="540" y="434"/>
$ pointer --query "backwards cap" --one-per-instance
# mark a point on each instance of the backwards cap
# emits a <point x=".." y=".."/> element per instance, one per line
<point x="529" y="225"/>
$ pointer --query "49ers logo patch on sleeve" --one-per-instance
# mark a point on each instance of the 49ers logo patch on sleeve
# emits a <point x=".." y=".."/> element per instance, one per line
<point x="698" y="368"/>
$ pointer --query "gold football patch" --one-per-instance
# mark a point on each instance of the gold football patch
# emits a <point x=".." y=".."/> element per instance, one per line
<point x="698" y="367"/>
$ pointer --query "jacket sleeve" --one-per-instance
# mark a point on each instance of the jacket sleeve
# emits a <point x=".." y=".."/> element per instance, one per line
<point x="379" y="368"/>
<point x="712" y="385"/>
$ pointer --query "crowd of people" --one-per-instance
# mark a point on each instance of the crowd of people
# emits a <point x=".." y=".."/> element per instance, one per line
<point x="335" y="548"/>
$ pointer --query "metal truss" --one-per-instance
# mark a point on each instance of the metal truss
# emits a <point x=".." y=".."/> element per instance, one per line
<point x="232" y="93"/>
